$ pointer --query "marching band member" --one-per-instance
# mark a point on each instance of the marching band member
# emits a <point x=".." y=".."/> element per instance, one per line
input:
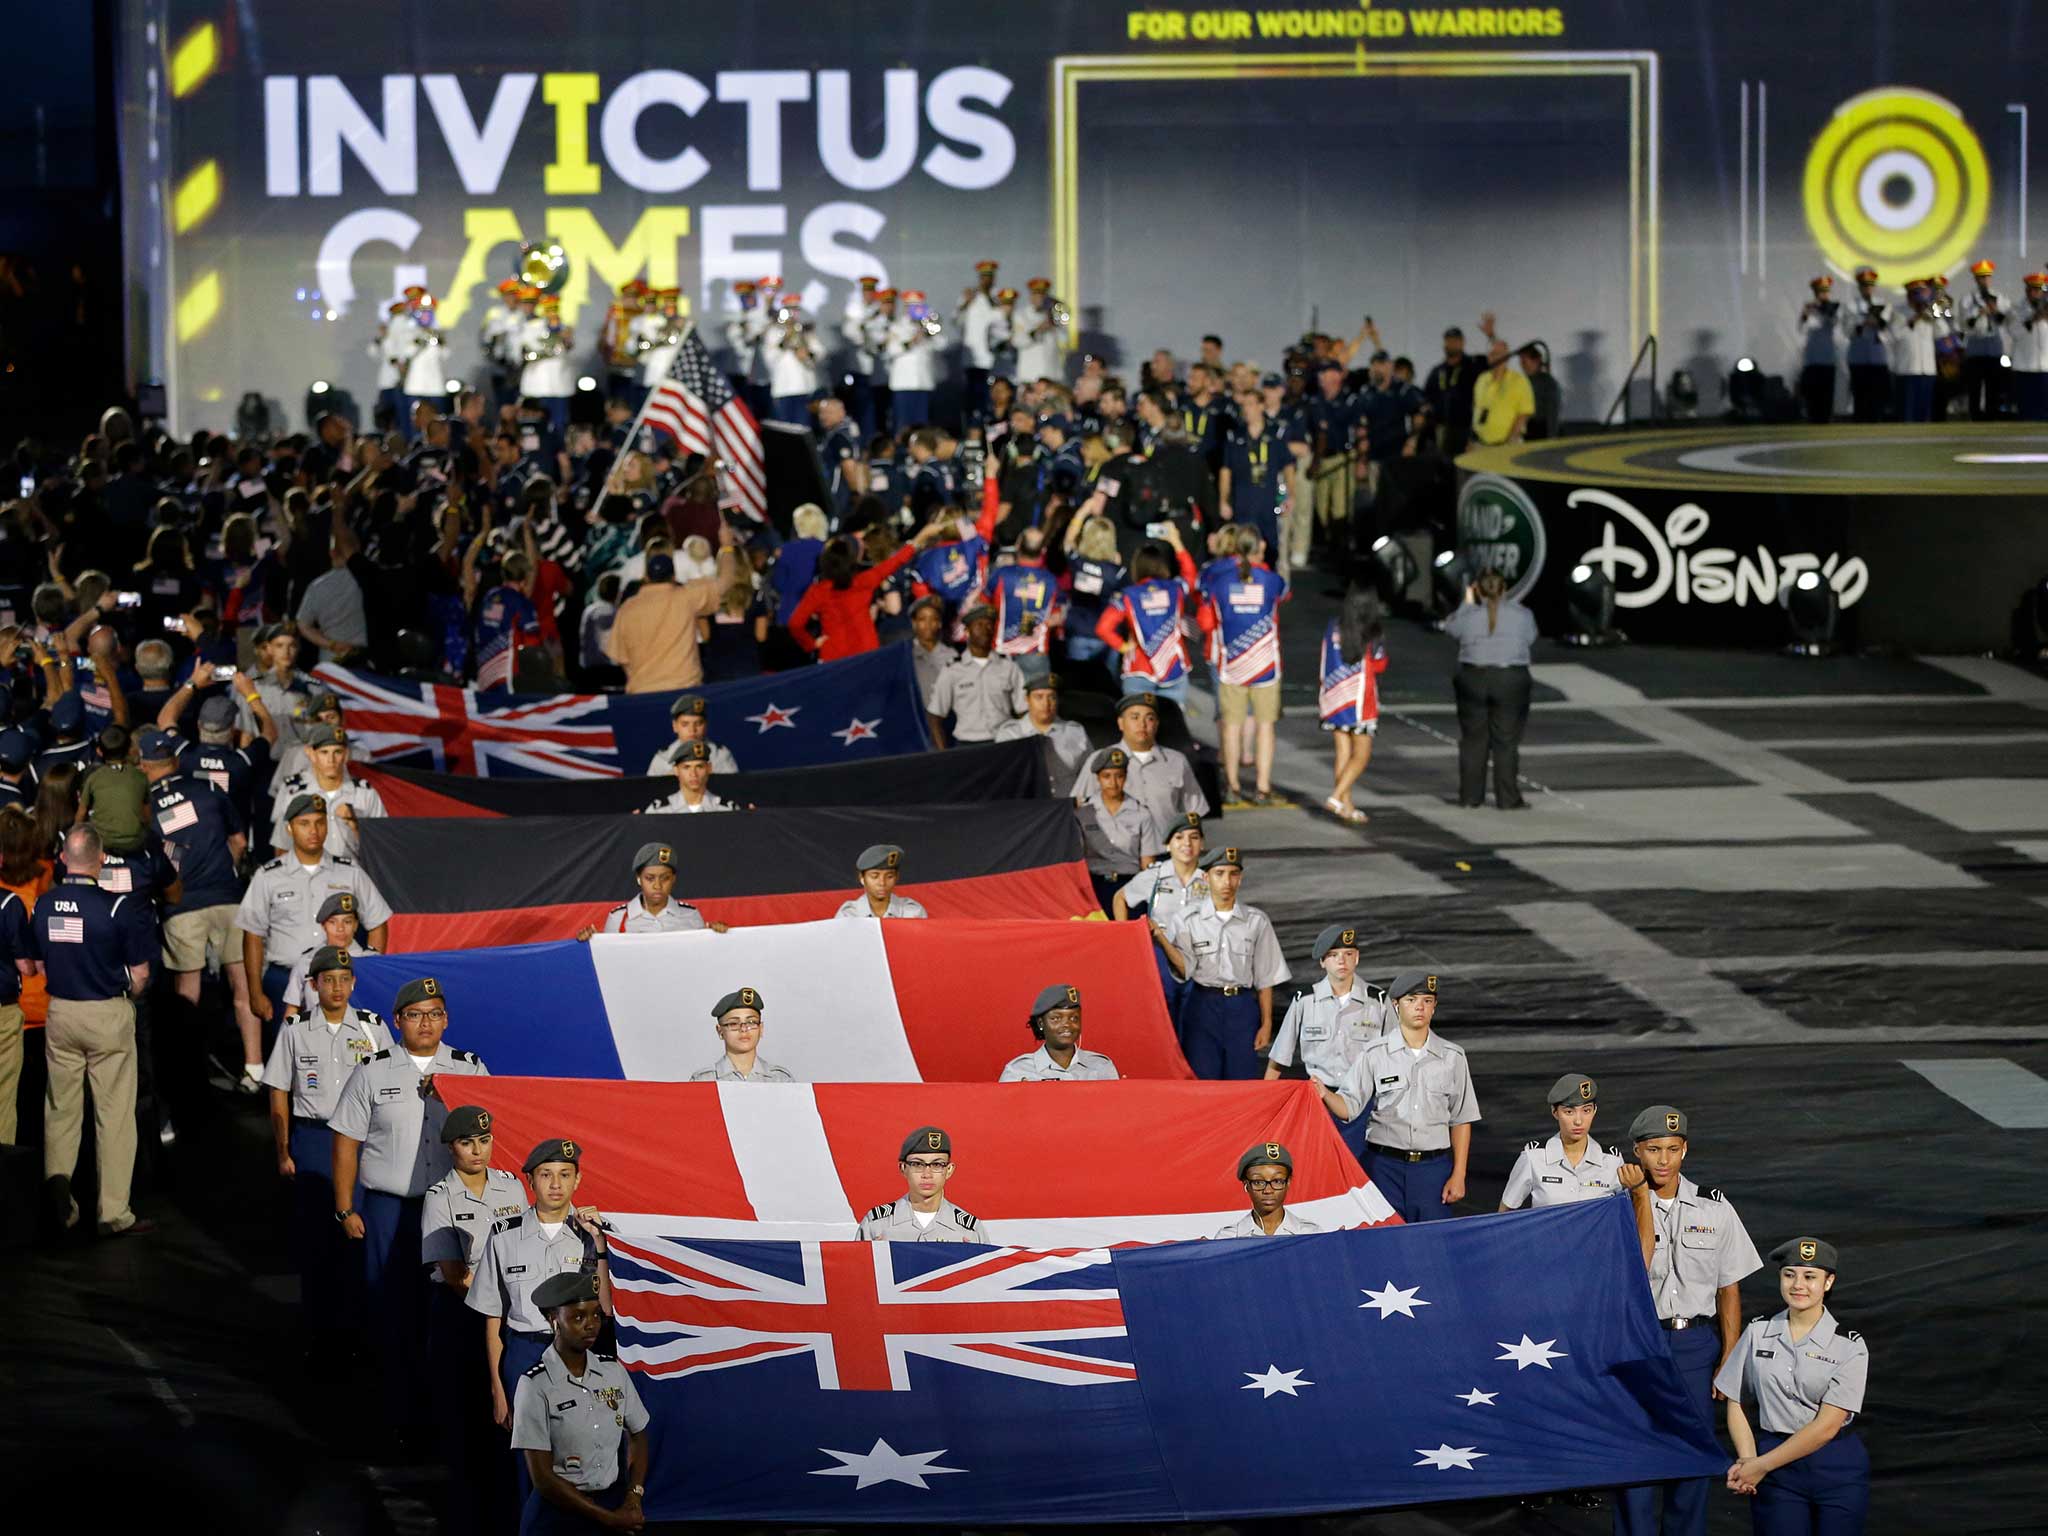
<point x="1915" y="348"/>
<point x="1003" y="354"/>
<point x="615" y="338"/>
<point x="425" y="377"/>
<point x="911" y="346"/>
<point x="1984" y="320"/>
<point x="384" y="347"/>
<point x="976" y="318"/>
<point x="1035" y="329"/>
<point x="1819" y="324"/>
<point x="768" y="300"/>
<point x="875" y="332"/>
<point x="1870" y="365"/>
<point x="791" y="344"/>
<point x="545" y="375"/>
<point x="2030" y="349"/>
<point x="661" y="331"/>
<point x="853" y="325"/>
<point x="502" y="314"/>
<point x="739" y="335"/>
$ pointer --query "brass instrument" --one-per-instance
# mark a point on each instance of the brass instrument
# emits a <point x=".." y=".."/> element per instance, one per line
<point x="543" y="267"/>
<point x="554" y="344"/>
<point x="1062" y="317"/>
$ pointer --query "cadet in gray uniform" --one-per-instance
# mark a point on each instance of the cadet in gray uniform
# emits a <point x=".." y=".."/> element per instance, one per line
<point x="1328" y="1026"/>
<point x="980" y="689"/>
<point x="693" y="785"/>
<point x="1166" y="890"/>
<point x="1159" y="776"/>
<point x="569" y="1416"/>
<point x="924" y="1214"/>
<point x="1065" y="743"/>
<point x="312" y="1057"/>
<point x="338" y="928"/>
<point x="278" y="914"/>
<point x="1056" y="1020"/>
<point x="349" y="800"/>
<point x="455" y="1218"/>
<point x="879" y="866"/>
<point x="929" y="655"/>
<point x="687" y="719"/>
<point x="1698" y="1253"/>
<point x="387" y="1132"/>
<point x="554" y="1236"/>
<point x="654" y="910"/>
<point x="739" y="1026"/>
<point x="1119" y="836"/>
<point x="1265" y="1171"/>
<point x="1229" y="955"/>
<point x="1419" y="1089"/>
<point x="1570" y="1165"/>
<point x="1807" y="1376"/>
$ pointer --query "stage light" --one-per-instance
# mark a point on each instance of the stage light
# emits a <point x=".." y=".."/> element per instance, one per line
<point x="327" y="399"/>
<point x="1745" y="365"/>
<point x="586" y="384"/>
<point x="1450" y="575"/>
<point x="1396" y="567"/>
<point x="1811" y="610"/>
<point x="1589" y="606"/>
<point x="455" y="386"/>
<point x="317" y="387"/>
<point x="1681" y="395"/>
<point x="1746" y="388"/>
<point x="2004" y="360"/>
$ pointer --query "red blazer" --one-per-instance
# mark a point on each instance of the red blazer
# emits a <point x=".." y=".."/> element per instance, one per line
<point x="847" y="628"/>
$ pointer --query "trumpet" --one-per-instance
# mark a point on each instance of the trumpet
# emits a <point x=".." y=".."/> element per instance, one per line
<point x="932" y="327"/>
<point x="543" y="267"/>
<point x="1061" y="315"/>
<point x="554" y="344"/>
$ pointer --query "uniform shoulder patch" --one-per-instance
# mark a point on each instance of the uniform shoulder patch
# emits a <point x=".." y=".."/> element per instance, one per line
<point x="507" y="1224"/>
<point x="276" y="863"/>
<point x="540" y="1366"/>
<point x="381" y="1056"/>
<point x="600" y="1355"/>
<point x="966" y="1220"/>
<point x="463" y="1055"/>
<point x="339" y="859"/>
<point x="367" y="1016"/>
<point x="880" y="1211"/>
<point x="1851" y="1333"/>
<point x="1533" y="1146"/>
<point x="1713" y="1194"/>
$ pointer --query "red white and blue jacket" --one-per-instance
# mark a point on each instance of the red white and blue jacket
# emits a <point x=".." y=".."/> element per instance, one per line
<point x="1025" y="598"/>
<point x="1152" y="610"/>
<point x="1350" y="694"/>
<point x="1245" y="641"/>
<point x="505" y="620"/>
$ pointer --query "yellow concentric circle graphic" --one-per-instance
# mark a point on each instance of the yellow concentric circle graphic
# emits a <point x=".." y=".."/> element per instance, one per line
<point x="1897" y="181"/>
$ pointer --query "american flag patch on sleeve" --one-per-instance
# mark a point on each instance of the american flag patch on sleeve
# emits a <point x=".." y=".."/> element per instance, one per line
<point x="67" y="930"/>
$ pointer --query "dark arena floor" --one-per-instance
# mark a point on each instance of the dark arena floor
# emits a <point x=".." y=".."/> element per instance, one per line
<point x="1807" y="900"/>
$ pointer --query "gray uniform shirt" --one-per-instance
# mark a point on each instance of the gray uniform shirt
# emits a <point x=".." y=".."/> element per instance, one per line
<point x="581" y="1422"/>
<point x="979" y="695"/>
<point x="1160" y="889"/>
<point x="1119" y="842"/>
<point x="1162" y="778"/>
<point x="1065" y="747"/>
<point x="899" y="906"/>
<point x="284" y="897"/>
<point x="1701" y="1246"/>
<point x="311" y="1059"/>
<point x="1229" y="949"/>
<point x="676" y="805"/>
<point x="1247" y="1225"/>
<point x="280" y="700"/>
<point x="382" y="1106"/>
<point x="676" y="917"/>
<point x="299" y="990"/>
<point x="361" y="798"/>
<point x="1326" y="1033"/>
<point x="1514" y="631"/>
<point x="517" y="1255"/>
<point x="1790" y="1383"/>
<point x="293" y="757"/>
<point x="1415" y="1100"/>
<point x="664" y="761"/>
<point x="929" y="664"/>
<point x="454" y="1223"/>
<point x="897" y="1224"/>
<point x="1542" y="1176"/>
<point x="1039" y="1067"/>
<point x="723" y="1071"/>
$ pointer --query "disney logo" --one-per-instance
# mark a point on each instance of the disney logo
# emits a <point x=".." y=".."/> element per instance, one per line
<point x="1670" y="562"/>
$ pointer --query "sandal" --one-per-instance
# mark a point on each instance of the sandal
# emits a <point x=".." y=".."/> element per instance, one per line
<point x="1343" y="811"/>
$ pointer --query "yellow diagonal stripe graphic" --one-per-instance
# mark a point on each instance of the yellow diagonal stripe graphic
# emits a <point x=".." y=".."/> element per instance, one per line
<point x="194" y="58"/>
<point x="197" y="196"/>
<point x="200" y="305"/>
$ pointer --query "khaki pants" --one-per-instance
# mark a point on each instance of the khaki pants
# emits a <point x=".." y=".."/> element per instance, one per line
<point x="10" y="1070"/>
<point x="92" y="1041"/>
<point x="1334" y="487"/>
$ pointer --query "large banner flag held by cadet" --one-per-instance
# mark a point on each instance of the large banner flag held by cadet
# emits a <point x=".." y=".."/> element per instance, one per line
<point x="970" y="1387"/>
<point x="1044" y="1164"/>
<point x="460" y="883"/>
<point x="842" y="1001"/>
<point x="1003" y="770"/>
<point x="865" y="706"/>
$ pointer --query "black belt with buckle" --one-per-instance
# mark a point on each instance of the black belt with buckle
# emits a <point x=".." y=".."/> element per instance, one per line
<point x="1678" y="1324"/>
<point x="1412" y="1157"/>
<point x="1227" y="991"/>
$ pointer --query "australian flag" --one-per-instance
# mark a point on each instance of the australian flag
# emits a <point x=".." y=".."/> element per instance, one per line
<point x="880" y="1383"/>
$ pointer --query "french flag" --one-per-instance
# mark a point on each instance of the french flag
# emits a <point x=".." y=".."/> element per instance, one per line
<point x="845" y="999"/>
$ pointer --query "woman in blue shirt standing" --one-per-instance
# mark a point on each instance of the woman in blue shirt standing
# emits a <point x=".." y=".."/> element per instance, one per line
<point x="1494" y="633"/>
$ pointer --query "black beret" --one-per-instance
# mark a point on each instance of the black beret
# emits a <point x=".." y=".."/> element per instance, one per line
<point x="1265" y="1152"/>
<point x="694" y="752"/>
<point x="565" y="1289"/>
<point x="1049" y="680"/>
<point x="688" y="704"/>
<point x="416" y="990"/>
<point x="1059" y="995"/>
<point x="325" y="735"/>
<point x="745" y="997"/>
<point x="336" y="904"/>
<point x="466" y="1120"/>
<point x="1411" y="981"/>
<point x="1817" y="1251"/>
<point x="1190" y="821"/>
<point x="1215" y="856"/>
<point x="926" y="1138"/>
<point x="302" y="805"/>
<point x="1134" y="700"/>
<point x="1110" y="757"/>
<point x="329" y="957"/>
<point x="556" y="1149"/>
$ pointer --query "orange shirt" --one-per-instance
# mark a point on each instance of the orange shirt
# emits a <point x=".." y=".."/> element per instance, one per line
<point x="35" y="992"/>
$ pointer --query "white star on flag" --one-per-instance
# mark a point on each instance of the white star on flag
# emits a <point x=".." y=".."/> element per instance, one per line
<point x="1393" y="1299"/>
<point x="884" y="1464"/>
<point x="1475" y="1398"/>
<point x="859" y="730"/>
<point x="1529" y="1352"/>
<point x="1444" y="1457"/>
<point x="773" y="716"/>
<point x="1273" y="1379"/>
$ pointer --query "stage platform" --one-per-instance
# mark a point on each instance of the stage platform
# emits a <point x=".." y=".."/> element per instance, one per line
<point x="1928" y="535"/>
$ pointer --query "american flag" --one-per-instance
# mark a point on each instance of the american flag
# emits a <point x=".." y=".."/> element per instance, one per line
<point x="67" y="930"/>
<point x="861" y="1311"/>
<point x="695" y="406"/>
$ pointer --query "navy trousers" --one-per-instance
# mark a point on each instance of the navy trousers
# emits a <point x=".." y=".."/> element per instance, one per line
<point x="1216" y="1033"/>
<point x="540" y="1518"/>
<point x="396" y="1287"/>
<point x="1825" y="1494"/>
<point x="1696" y="1351"/>
<point x="330" y="1281"/>
<point x="1414" y="1190"/>
<point x="521" y="1354"/>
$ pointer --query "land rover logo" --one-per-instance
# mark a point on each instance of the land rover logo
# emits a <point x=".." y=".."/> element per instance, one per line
<point x="1499" y="526"/>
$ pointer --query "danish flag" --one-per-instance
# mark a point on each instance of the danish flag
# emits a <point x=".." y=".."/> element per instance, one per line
<point x="862" y="1311"/>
